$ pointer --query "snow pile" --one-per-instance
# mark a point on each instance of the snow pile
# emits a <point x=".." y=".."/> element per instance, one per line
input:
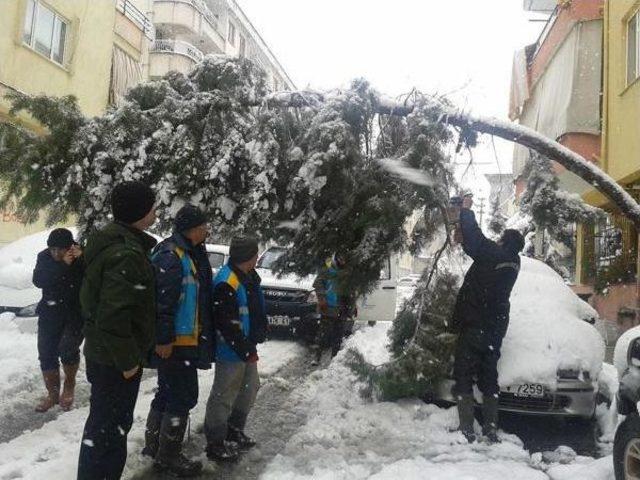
<point x="547" y="331"/>
<point x="52" y="450"/>
<point x="346" y="437"/>
<point x="18" y="354"/>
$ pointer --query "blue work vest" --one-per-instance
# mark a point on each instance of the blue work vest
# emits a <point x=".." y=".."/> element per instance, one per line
<point x="330" y="285"/>
<point x="186" y="318"/>
<point x="226" y="275"/>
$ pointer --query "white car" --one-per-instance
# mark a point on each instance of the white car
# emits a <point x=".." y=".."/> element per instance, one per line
<point x="218" y="256"/>
<point x="551" y="355"/>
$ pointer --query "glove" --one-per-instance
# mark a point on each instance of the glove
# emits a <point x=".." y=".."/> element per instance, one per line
<point x="253" y="358"/>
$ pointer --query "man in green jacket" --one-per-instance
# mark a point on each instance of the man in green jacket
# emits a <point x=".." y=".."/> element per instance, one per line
<point x="118" y="304"/>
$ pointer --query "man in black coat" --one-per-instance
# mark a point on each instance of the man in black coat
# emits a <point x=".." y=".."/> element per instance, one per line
<point x="481" y="317"/>
<point x="58" y="273"/>
<point x="184" y="337"/>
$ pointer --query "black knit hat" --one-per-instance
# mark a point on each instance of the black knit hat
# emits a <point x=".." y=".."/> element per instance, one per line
<point x="131" y="201"/>
<point x="242" y="249"/>
<point x="188" y="217"/>
<point x="60" y="238"/>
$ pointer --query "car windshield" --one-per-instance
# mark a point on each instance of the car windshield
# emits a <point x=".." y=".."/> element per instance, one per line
<point x="270" y="257"/>
<point x="216" y="259"/>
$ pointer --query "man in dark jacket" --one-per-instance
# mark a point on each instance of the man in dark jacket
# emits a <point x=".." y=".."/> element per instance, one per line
<point x="184" y="337"/>
<point x="241" y="323"/>
<point x="58" y="273"/>
<point x="118" y="305"/>
<point x="481" y="317"/>
<point x="334" y="304"/>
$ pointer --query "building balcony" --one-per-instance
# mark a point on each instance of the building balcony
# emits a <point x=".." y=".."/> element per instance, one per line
<point x="191" y="21"/>
<point x="137" y="17"/>
<point x="168" y="55"/>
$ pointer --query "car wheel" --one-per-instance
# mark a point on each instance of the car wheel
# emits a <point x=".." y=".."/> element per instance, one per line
<point x="626" y="449"/>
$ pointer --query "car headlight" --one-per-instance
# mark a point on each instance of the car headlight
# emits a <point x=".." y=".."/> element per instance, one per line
<point x="312" y="297"/>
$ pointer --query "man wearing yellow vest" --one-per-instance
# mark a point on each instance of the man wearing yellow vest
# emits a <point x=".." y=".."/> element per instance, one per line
<point x="241" y="323"/>
<point x="184" y="338"/>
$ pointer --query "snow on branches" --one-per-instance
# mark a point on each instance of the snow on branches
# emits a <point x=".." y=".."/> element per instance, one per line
<point x="295" y="168"/>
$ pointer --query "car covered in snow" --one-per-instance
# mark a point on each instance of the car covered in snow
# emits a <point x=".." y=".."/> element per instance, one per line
<point x="218" y="256"/>
<point x="551" y="355"/>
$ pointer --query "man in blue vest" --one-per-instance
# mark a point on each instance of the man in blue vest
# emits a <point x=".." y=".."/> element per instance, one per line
<point x="241" y="323"/>
<point x="334" y="304"/>
<point x="184" y="338"/>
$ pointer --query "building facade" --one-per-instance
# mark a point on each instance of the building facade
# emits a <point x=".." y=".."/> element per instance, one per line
<point x="187" y="30"/>
<point x="63" y="47"/>
<point x="608" y="254"/>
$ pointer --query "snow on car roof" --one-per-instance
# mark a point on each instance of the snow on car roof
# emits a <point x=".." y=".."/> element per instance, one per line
<point x="216" y="248"/>
<point x="548" y="330"/>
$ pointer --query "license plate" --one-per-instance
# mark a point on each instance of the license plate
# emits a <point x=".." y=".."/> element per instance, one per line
<point x="529" y="390"/>
<point x="279" y="320"/>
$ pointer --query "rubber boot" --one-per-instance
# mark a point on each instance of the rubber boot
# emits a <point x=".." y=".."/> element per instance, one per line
<point x="152" y="433"/>
<point x="69" y="386"/>
<point x="169" y="457"/>
<point x="490" y="418"/>
<point x="52" y="384"/>
<point x="465" y="413"/>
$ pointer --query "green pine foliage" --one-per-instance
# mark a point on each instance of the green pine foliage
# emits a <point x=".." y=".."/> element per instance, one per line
<point x="306" y="177"/>
<point x="422" y="355"/>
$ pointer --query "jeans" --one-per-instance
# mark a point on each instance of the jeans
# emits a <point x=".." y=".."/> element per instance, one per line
<point x="103" y="451"/>
<point x="177" y="388"/>
<point x="59" y="337"/>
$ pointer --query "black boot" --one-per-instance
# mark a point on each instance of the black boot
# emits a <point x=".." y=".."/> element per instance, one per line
<point x="221" y="451"/>
<point x="490" y="418"/>
<point x="240" y="438"/>
<point x="169" y="456"/>
<point x="151" y="433"/>
<point x="465" y="413"/>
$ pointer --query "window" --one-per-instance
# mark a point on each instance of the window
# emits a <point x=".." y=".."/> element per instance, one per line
<point x="242" y="50"/>
<point x="45" y="31"/>
<point x="232" y="34"/>
<point x="216" y="259"/>
<point x="633" y="42"/>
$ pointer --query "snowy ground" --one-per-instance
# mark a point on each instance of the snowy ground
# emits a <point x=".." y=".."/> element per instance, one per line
<point x="51" y="450"/>
<point x="346" y="437"/>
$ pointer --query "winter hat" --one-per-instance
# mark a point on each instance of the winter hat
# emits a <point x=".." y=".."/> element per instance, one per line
<point x="513" y="240"/>
<point x="242" y="249"/>
<point x="188" y="217"/>
<point x="60" y="238"/>
<point x="131" y="201"/>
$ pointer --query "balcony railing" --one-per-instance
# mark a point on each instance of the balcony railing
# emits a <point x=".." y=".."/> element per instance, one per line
<point x="545" y="33"/>
<point x="179" y="47"/>
<point x="201" y="7"/>
<point x="130" y="11"/>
